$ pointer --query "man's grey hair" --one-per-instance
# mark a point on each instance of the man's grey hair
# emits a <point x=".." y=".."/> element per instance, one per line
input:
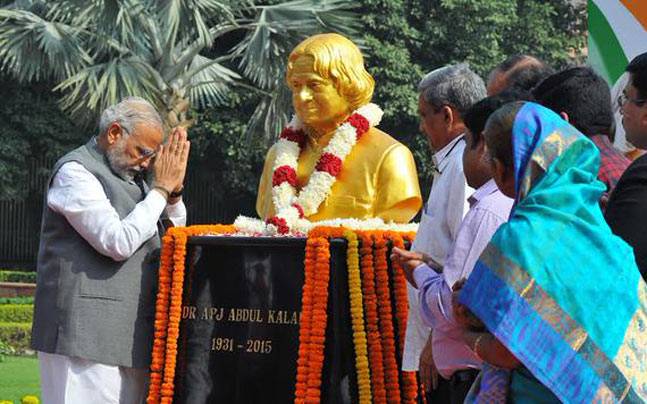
<point x="128" y="113"/>
<point x="454" y="85"/>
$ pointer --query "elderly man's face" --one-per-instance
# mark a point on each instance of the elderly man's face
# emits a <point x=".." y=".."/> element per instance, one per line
<point x="131" y="155"/>
<point x="316" y="100"/>
<point x="432" y="124"/>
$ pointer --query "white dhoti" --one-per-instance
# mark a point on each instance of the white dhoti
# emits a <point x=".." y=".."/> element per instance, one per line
<point x="69" y="380"/>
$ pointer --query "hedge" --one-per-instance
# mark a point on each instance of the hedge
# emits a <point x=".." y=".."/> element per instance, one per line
<point x="16" y="313"/>
<point x="17" y="300"/>
<point x="17" y="335"/>
<point x="18" y="276"/>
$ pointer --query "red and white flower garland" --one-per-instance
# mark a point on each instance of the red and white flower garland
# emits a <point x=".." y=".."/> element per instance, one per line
<point x="292" y="207"/>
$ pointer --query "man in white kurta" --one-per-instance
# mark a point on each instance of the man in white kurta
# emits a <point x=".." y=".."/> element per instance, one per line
<point x="445" y="94"/>
<point x="96" y="265"/>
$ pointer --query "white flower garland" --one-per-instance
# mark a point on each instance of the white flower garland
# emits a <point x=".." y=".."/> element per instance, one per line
<point x="255" y="227"/>
<point x="292" y="207"/>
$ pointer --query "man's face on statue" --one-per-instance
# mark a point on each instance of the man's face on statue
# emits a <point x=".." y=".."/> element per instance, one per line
<point x="316" y="100"/>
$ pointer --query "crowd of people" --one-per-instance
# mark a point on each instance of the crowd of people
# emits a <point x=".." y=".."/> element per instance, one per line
<point x="527" y="275"/>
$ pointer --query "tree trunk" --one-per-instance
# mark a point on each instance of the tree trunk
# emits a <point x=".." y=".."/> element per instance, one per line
<point x="176" y="109"/>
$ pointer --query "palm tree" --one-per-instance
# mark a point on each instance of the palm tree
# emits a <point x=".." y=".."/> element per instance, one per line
<point x="173" y="52"/>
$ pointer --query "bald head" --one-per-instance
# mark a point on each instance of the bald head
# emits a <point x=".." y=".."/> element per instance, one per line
<point x="518" y="72"/>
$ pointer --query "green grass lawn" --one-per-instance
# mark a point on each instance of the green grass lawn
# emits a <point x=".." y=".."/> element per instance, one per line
<point x="19" y="377"/>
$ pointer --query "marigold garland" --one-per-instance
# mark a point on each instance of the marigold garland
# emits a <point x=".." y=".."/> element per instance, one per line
<point x="410" y="384"/>
<point x="391" y="374"/>
<point x="376" y="361"/>
<point x="314" y="315"/>
<point x="319" y="319"/>
<point x="373" y="331"/>
<point x="305" y="322"/>
<point x="161" y="318"/>
<point x="357" y="318"/>
<point x="169" y="307"/>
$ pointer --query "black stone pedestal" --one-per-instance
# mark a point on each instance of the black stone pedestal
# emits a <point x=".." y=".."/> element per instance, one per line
<point x="239" y="333"/>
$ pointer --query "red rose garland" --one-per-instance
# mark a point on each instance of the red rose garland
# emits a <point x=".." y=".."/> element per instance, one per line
<point x="290" y="205"/>
<point x="329" y="163"/>
<point x="284" y="174"/>
<point x="360" y="123"/>
<point x="296" y="136"/>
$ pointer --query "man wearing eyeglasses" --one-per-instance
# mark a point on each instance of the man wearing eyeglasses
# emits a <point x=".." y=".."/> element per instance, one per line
<point x="445" y="95"/>
<point x="99" y="254"/>
<point x="628" y="202"/>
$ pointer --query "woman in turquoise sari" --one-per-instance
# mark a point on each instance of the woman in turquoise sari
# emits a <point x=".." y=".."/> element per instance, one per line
<point x="561" y="297"/>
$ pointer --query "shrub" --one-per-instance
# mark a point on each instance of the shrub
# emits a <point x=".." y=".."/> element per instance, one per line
<point x="5" y="349"/>
<point x="17" y="300"/>
<point x="16" y="335"/>
<point x="29" y="399"/>
<point x="17" y="276"/>
<point x="16" y="313"/>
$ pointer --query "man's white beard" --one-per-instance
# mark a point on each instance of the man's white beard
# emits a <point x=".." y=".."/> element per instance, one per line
<point x="117" y="161"/>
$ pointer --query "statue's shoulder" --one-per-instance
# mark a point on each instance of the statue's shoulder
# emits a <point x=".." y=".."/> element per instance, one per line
<point x="382" y="142"/>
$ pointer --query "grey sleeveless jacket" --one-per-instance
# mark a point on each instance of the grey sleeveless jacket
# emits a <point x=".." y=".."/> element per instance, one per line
<point x="87" y="305"/>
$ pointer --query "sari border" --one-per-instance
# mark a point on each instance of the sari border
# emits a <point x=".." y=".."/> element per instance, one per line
<point x="544" y="317"/>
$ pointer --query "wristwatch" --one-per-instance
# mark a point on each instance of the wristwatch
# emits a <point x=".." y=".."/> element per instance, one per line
<point x="176" y="194"/>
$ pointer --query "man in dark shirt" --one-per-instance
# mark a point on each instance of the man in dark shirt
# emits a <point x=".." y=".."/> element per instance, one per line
<point x="582" y="98"/>
<point x="627" y="209"/>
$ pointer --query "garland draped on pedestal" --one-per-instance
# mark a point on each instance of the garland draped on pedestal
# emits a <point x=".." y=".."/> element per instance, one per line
<point x="168" y="308"/>
<point x="373" y="324"/>
<point x="378" y="316"/>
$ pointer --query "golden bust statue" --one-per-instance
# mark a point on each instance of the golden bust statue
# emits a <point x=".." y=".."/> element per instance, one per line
<point x="378" y="176"/>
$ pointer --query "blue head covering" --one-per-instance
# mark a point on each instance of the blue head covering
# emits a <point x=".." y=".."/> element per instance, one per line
<point x="554" y="285"/>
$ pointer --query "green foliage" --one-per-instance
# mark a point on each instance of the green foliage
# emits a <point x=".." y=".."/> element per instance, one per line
<point x="16" y="313"/>
<point x="5" y="349"/>
<point x="17" y="335"/>
<point x="223" y="159"/>
<point x="35" y="131"/>
<point x="100" y="51"/>
<point x="402" y="40"/>
<point x="17" y="300"/>
<point x="17" y="276"/>
<point x="407" y="38"/>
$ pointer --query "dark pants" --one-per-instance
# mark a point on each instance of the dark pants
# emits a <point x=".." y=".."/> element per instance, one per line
<point x="454" y="390"/>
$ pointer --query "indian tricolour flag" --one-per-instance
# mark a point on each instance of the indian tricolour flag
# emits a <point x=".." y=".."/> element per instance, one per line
<point x="617" y="33"/>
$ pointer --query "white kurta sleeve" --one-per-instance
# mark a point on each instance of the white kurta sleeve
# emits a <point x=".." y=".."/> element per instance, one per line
<point x="79" y="196"/>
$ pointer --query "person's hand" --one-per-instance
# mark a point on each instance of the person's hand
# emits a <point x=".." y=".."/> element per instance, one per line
<point x="427" y="368"/>
<point x="170" y="164"/>
<point x="408" y="260"/>
<point x="463" y="316"/>
<point x="181" y="131"/>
